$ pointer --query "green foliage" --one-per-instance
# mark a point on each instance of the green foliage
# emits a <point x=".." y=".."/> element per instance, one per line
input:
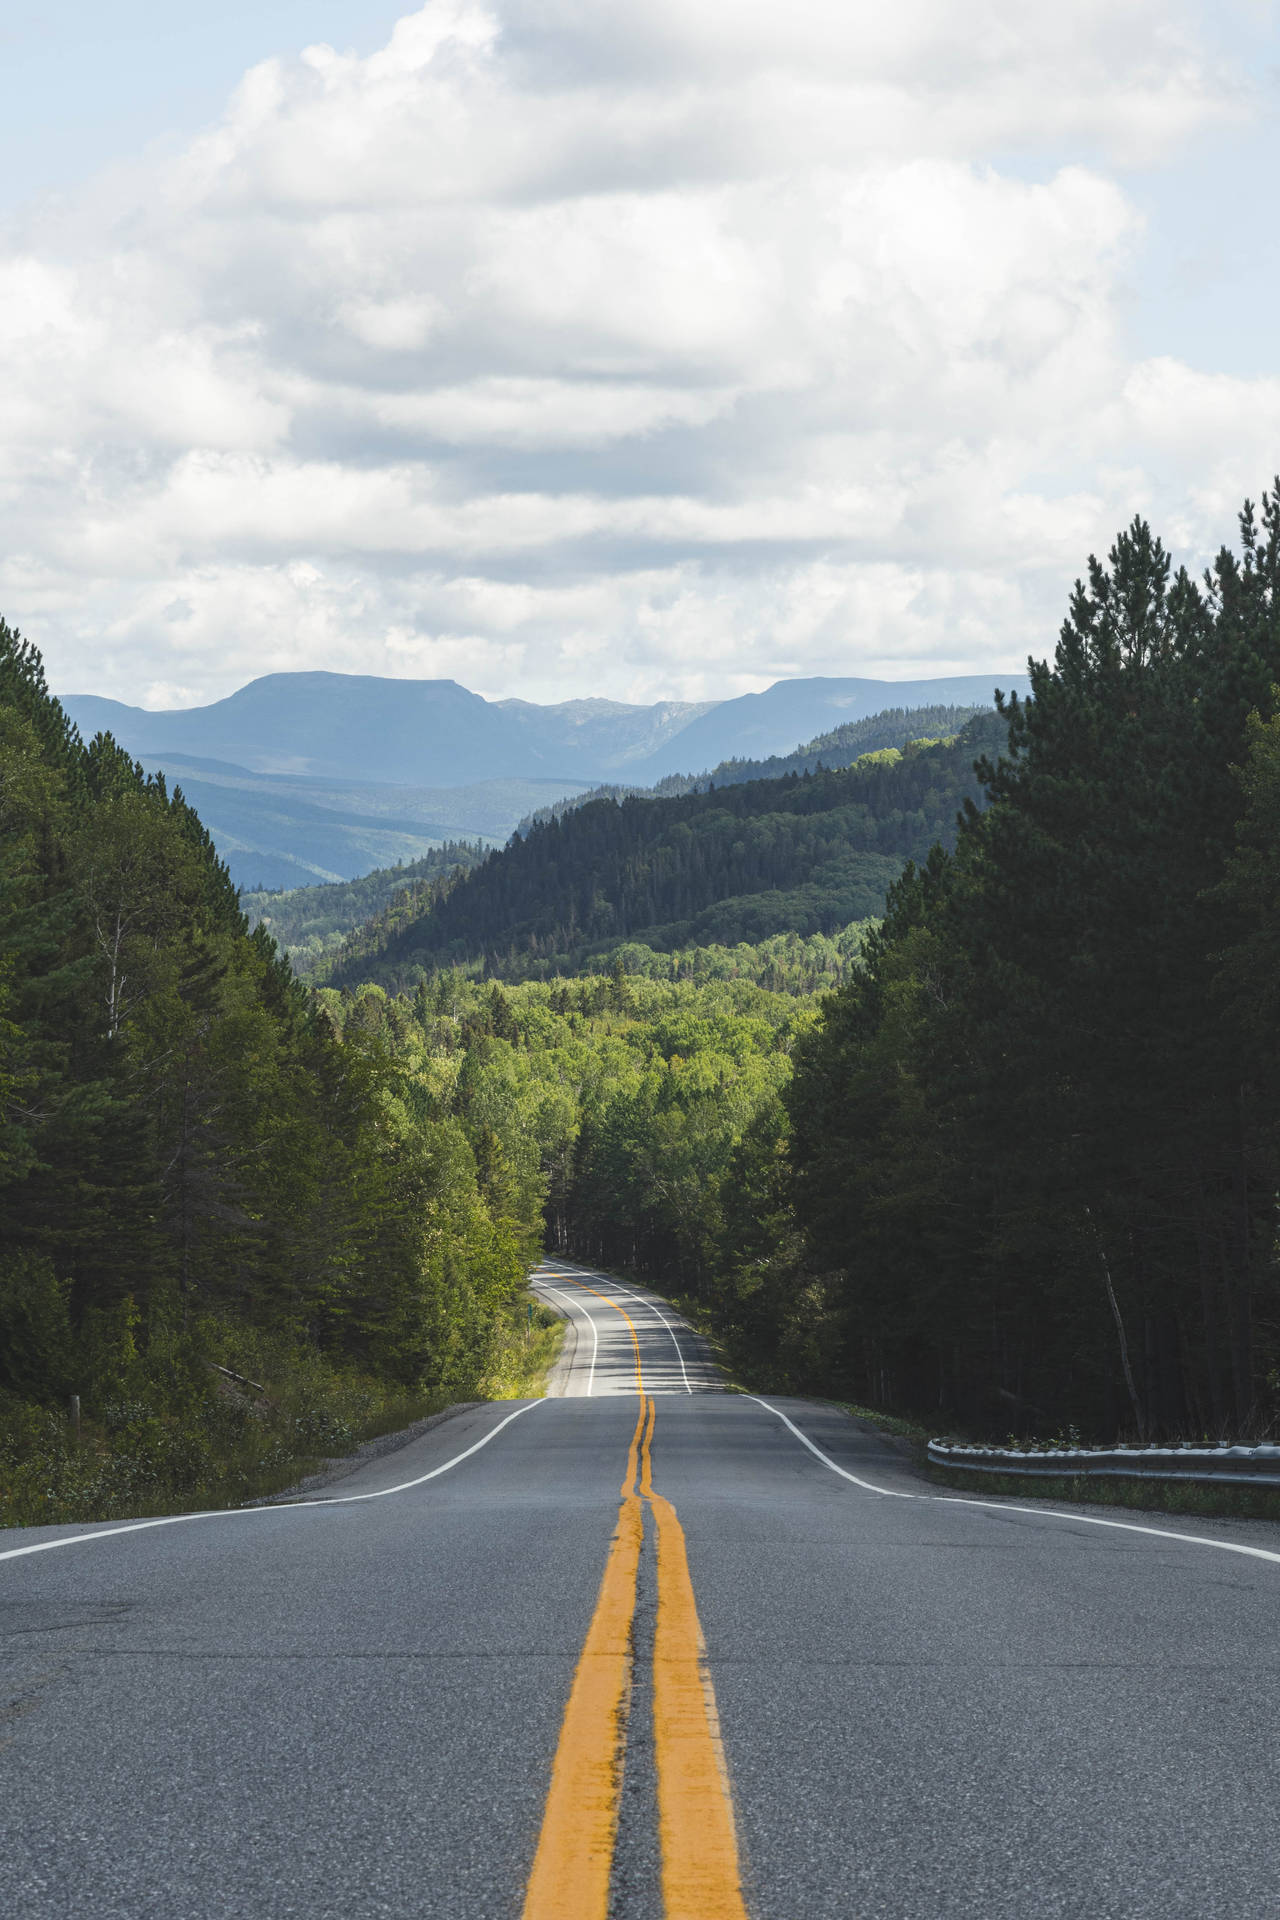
<point x="613" y="1108"/>
<point x="1035" y="1138"/>
<point x="529" y="1342"/>
<point x="169" y="1428"/>
<point x="36" y="1338"/>
<point x="857" y="740"/>
<point x="188" y="1141"/>
<point x="1225" y="1502"/>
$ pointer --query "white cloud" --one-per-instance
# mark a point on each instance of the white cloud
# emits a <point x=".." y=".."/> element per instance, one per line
<point x="564" y="347"/>
<point x="395" y="326"/>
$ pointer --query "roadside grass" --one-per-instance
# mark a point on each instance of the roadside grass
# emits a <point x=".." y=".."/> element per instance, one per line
<point x="1151" y="1496"/>
<point x="698" y="1314"/>
<point x="136" y="1457"/>
<point x="528" y="1344"/>
<point x="225" y="1416"/>
<point x="892" y="1423"/>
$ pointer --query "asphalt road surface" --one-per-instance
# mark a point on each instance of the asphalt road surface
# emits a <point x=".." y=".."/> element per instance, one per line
<point x="646" y="1650"/>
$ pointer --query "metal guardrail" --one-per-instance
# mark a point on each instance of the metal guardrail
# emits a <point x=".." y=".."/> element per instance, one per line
<point x="1236" y="1466"/>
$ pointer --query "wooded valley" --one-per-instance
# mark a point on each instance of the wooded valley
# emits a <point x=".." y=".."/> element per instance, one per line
<point x="1000" y="1152"/>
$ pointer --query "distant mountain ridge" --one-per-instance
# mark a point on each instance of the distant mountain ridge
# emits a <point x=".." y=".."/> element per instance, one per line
<point x="758" y="726"/>
<point x="424" y="733"/>
<point x="434" y="733"/>
<point x="306" y="777"/>
<point x="331" y="726"/>
<point x="608" y="729"/>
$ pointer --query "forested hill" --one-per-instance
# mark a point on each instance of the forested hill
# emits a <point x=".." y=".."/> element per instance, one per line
<point x="309" y="922"/>
<point x="840" y="747"/>
<point x="895" y="727"/>
<point x="805" y="854"/>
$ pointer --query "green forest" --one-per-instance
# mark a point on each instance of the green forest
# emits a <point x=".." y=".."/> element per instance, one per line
<point x="947" y="1083"/>
<point x="309" y="923"/>
<point x="200" y="1181"/>
<point x="1035" y="1140"/>
<point x="617" y="1104"/>
<point x="312" y="924"/>
<point x="841" y="746"/>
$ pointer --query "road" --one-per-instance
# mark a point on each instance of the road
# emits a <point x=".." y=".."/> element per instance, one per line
<point x="469" y="1680"/>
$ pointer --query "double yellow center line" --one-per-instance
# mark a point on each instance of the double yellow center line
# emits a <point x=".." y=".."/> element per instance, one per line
<point x="701" y="1878"/>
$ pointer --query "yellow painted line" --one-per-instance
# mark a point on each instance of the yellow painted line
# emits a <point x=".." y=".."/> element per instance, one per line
<point x="701" y="1872"/>
<point x="570" y="1877"/>
<point x="633" y="1451"/>
<point x="635" y="1338"/>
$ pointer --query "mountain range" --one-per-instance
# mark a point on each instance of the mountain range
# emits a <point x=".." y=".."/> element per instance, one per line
<point x="320" y="776"/>
<point x="415" y="733"/>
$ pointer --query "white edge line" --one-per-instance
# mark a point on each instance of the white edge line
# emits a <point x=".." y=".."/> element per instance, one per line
<point x="1125" y="1526"/>
<point x="1036" y="1513"/>
<point x="581" y="1305"/>
<point x="570" y="1322"/>
<point x="889" y="1493"/>
<point x="279" y="1506"/>
<point x="627" y="1294"/>
<point x="573" y="1282"/>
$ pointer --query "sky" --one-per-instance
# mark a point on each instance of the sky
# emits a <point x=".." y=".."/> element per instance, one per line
<point x="565" y="349"/>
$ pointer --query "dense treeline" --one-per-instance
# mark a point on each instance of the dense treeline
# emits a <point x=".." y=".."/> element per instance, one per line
<point x="190" y="1158"/>
<point x="309" y="922"/>
<point x="895" y="727"/>
<point x="785" y="963"/>
<point x="843" y="745"/>
<point x="806" y="854"/>
<point x="1037" y="1138"/>
<point x="359" y="954"/>
<point x="622" y="1103"/>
